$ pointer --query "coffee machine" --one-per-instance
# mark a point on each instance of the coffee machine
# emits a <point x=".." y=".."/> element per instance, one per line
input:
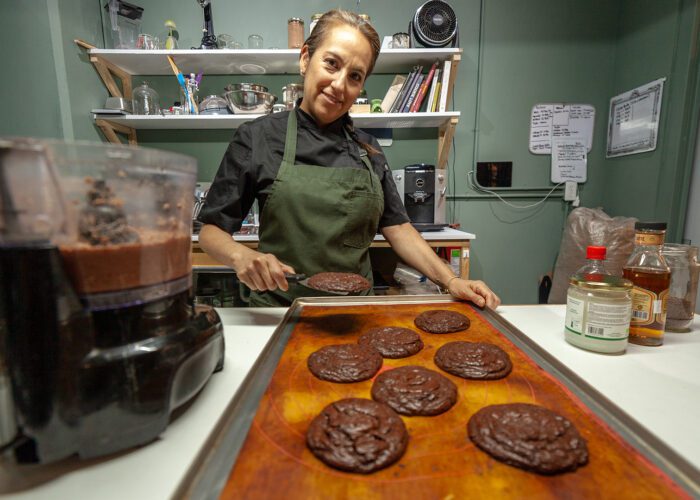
<point x="423" y="190"/>
<point x="99" y="337"/>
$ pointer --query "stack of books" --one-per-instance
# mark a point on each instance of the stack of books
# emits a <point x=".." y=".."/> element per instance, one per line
<point x="419" y="92"/>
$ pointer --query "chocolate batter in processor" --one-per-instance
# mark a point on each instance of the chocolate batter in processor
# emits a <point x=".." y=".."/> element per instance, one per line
<point x="99" y="337"/>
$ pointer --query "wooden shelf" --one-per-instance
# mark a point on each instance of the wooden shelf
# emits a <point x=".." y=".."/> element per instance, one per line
<point x="252" y="62"/>
<point x="361" y="120"/>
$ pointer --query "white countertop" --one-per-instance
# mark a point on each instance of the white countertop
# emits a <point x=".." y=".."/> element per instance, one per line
<point x="446" y="233"/>
<point x="659" y="386"/>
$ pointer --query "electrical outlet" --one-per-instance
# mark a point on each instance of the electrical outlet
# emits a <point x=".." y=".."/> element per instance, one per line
<point x="570" y="189"/>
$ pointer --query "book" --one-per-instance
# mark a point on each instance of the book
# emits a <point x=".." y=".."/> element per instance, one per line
<point x="446" y="68"/>
<point x="423" y="90"/>
<point x="436" y="98"/>
<point x="406" y="91"/>
<point x="402" y="91"/>
<point x="433" y="86"/>
<point x="414" y="92"/>
<point x="392" y="93"/>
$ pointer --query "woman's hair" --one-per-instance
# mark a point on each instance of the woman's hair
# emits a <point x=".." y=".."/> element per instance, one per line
<point x="323" y="27"/>
<point x="331" y="19"/>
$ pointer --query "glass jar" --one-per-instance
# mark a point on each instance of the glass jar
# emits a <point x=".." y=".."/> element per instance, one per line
<point x="598" y="312"/>
<point x="145" y="100"/>
<point x="255" y="42"/>
<point x="314" y="20"/>
<point x="295" y="33"/>
<point x="189" y="97"/>
<point x="682" y="294"/>
<point x="647" y="269"/>
<point x="291" y="93"/>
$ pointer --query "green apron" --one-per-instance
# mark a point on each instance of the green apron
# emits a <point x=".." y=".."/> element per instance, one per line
<point x="318" y="219"/>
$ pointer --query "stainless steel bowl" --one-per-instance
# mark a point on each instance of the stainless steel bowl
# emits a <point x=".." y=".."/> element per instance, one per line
<point x="249" y="101"/>
<point x="246" y="86"/>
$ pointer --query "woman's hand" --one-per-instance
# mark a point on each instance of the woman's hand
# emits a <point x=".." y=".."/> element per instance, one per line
<point x="475" y="290"/>
<point x="261" y="271"/>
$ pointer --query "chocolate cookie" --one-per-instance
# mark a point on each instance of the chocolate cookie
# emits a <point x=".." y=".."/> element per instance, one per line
<point x="357" y="435"/>
<point x="473" y="360"/>
<point x="528" y="436"/>
<point x="414" y="390"/>
<point x="345" y="362"/>
<point x="339" y="282"/>
<point x="392" y="341"/>
<point x="441" y="321"/>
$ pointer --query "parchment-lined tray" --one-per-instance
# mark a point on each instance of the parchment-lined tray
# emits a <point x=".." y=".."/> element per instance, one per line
<point x="280" y="397"/>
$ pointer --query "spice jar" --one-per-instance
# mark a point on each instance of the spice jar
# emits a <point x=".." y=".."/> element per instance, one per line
<point x="314" y="20"/>
<point x="598" y="312"/>
<point x="680" y="301"/>
<point x="295" y="33"/>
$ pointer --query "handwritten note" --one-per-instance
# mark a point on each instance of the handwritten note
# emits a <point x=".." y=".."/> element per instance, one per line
<point x="569" y="161"/>
<point x="550" y="122"/>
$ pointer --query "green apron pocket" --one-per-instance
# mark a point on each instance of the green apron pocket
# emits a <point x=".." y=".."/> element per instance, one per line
<point x="364" y="211"/>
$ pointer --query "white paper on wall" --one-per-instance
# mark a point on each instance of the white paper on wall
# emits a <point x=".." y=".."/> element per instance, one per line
<point x="559" y="121"/>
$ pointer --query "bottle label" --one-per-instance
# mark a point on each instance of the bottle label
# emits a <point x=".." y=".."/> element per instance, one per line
<point x="608" y="321"/>
<point x="645" y="239"/>
<point x="574" y="315"/>
<point x="648" y="312"/>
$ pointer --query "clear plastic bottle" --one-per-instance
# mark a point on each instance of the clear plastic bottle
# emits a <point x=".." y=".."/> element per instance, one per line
<point x="595" y="256"/>
<point x="649" y="272"/>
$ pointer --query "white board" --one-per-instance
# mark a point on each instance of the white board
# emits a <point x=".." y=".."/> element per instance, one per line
<point x="559" y="121"/>
<point x="633" y="122"/>
<point x="569" y="161"/>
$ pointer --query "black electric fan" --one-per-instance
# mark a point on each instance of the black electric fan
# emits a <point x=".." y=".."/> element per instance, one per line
<point x="434" y="25"/>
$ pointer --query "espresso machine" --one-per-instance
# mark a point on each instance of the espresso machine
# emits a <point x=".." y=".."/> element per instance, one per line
<point x="99" y="337"/>
<point x="423" y="191"/>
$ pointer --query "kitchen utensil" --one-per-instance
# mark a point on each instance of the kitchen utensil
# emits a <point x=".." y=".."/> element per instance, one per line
<point x="100" y="336"/>
<point x="249" y="101"/>
<point x="214" y="105"/>
<point x="118" y="103"/>
<point x="246" y="86"/>
<point x="264" y="423"/>
<point x="188" y="102"/>
<point x="303" y="280"/>
<point x="278" y="108"/>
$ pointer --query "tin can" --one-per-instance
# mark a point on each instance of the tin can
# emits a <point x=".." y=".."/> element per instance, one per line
<point x="295" y="33"/>
<point x="598" y="313"/>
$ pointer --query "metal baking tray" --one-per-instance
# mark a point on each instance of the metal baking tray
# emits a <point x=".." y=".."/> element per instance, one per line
<point x="210" y="471"/>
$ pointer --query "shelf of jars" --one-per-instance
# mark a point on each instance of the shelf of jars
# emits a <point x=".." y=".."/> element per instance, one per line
<point x="251" y="62"/>
<point x="361" y="120"/>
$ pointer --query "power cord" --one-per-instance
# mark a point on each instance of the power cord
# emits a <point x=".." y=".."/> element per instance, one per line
<point x="519" y="207"/>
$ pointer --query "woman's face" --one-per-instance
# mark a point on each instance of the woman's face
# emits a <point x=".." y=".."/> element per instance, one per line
<point x="335" y="75"/>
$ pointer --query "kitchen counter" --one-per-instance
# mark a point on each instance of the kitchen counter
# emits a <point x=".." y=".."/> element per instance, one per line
<point x="659" y="386"/>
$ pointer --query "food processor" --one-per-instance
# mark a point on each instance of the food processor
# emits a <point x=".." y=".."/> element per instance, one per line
<point x="99" y="337"/>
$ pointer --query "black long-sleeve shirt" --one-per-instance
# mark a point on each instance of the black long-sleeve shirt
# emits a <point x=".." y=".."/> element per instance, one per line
<point x="252" y="160"/>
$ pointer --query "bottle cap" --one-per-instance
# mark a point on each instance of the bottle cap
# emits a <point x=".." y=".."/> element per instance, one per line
<point x="654" y="226"/>
<point x="596" y="253"/>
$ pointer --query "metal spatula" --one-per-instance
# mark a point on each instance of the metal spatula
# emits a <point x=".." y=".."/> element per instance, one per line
<point x="303" y="280"/>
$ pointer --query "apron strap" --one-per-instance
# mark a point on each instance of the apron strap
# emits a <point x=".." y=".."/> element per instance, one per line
<point x="290" y="143"/>
<point x="363" y="155"/>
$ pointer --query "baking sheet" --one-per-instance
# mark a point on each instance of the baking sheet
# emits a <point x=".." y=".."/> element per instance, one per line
<point x="440" y="461"/>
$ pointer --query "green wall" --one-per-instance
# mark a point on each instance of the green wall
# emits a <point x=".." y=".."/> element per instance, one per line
<point x="657" y="39"/>
<point x="516" y="54"/>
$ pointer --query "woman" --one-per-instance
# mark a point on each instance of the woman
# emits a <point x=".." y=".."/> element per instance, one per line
<point x="323" y="188"/>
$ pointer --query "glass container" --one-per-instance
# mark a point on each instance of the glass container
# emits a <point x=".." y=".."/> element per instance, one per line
<point x="314" y="21"/>
<point x="598" y="312"/>
<point x="647" y="269"/>
<point x="145" y="100"/>
<point x="295" y="33"/>
<point x="291" y="93"/>
<point x="255" y="42"/>
<point x="682" y="294"/>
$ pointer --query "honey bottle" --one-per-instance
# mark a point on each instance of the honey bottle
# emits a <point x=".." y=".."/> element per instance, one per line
<point x="646" y="268"/>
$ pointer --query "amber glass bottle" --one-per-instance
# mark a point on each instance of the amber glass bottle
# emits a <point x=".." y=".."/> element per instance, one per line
<point x="651" y="276"/>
